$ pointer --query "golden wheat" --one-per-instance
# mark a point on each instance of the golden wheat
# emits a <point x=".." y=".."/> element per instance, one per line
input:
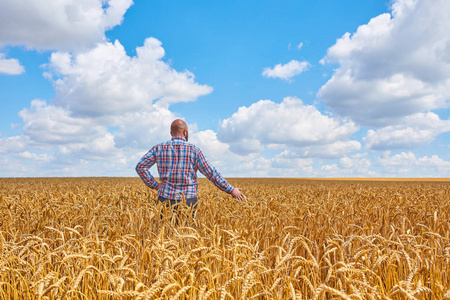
<point x="108" y="238"/>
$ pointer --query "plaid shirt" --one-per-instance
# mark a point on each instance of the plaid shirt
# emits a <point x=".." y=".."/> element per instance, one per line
<point x="178" y="162"/>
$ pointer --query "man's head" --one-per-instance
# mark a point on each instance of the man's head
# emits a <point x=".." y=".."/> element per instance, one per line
<point x="179" y="127"/>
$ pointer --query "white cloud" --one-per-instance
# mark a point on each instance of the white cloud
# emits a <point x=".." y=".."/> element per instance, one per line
<point x="406" y="163"/>
<point x="52" y="125"/>
<point x="62" y="25"/>
<point x="333" y="150"/>
<point x="332" y="170"/>
<point x="357" y="165"/>
<point x="299" y="46"/>
<point x="415" y="130"/>
<point x="288" y="123"/>
<point x="141" y="130"/>
<point x="100" y="148"/>
<point x="286" y="71"/>
<point x="105" y="81"/>
<point x="210" y="145"/>
<point x="398" y="163"/>
<point x="434" y="162"/>
<point x="108" y="106"/>
<point x="33" y="156"/>
<point x="282" y="162"/>
<point x="227" y="162"/>
<point x="396" y="65"/>
<point x="348" y="167"/>
<point x="12" y="168"/>
<point x="10" y="66"/>
<point x="285" y="164"/>
<point x="13" y="144"/>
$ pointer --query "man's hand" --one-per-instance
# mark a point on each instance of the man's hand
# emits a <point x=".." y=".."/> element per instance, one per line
<point x="160" y="183"/>
<point x="237" y="194"/>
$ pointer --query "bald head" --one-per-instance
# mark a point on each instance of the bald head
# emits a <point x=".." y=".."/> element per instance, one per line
<point x="179" y="127"/>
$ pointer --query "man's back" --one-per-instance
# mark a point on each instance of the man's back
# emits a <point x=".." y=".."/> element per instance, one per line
<point x="178" y="163"/>
<point x="177" y="167"/>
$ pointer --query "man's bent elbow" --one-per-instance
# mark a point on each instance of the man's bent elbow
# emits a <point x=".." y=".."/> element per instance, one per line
<point x="138" y="169"/>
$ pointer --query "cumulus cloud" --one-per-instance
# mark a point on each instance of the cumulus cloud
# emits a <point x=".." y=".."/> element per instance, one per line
<point x="33" y="156"/>
<point x="106" y="81"/>
<point x="10" y="66"/>
<point x="328" y="151"/>
<point x="282" y="162"/>
<point x="396" y="65"/>
<point x="62" y="25"/>
<point x="52" y="125"/>
<point x="354" y="165"/>
<point x="12" y="168"/>
<point x="13" y="144"/>
<point x="141" y="130"/>
<point x="100" y="148"/>
<point x="221" y="156"/>
<point x="213" y="149"/>
<point x="407" y="163"/>
<point x="348" y="167"/>
<point x="415" y="130"/>
<point x="108" y="106"/>
<point x="287" y="163"/>
<point x="288" y="123"/>
<point x="286" y="71"/>
<point x="359" y="165"/>
<point x="104" y="90"/>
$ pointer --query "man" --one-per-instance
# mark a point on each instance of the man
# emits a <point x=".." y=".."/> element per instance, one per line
<point x="177" y="162"/>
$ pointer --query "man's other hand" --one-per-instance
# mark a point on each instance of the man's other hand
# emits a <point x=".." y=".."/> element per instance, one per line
<point x="160" y="183"/>
<point x="237" y="194"/>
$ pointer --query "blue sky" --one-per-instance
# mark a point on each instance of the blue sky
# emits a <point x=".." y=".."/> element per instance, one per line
<point x="269" y="88"/>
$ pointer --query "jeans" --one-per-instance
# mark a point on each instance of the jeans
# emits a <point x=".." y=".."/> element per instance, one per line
<point x="191" y="202"/>
<point x="170" y="202"/>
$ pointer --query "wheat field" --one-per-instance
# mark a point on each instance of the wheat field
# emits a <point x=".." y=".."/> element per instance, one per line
<point x="106" y="238"/>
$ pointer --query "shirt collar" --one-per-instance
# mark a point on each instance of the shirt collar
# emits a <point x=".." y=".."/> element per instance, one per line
<point x="178" y="137"/>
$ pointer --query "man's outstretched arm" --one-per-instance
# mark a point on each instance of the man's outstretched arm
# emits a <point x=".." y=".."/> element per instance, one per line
<point x="215" y="177"/>
<point x="143" y="169"/>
